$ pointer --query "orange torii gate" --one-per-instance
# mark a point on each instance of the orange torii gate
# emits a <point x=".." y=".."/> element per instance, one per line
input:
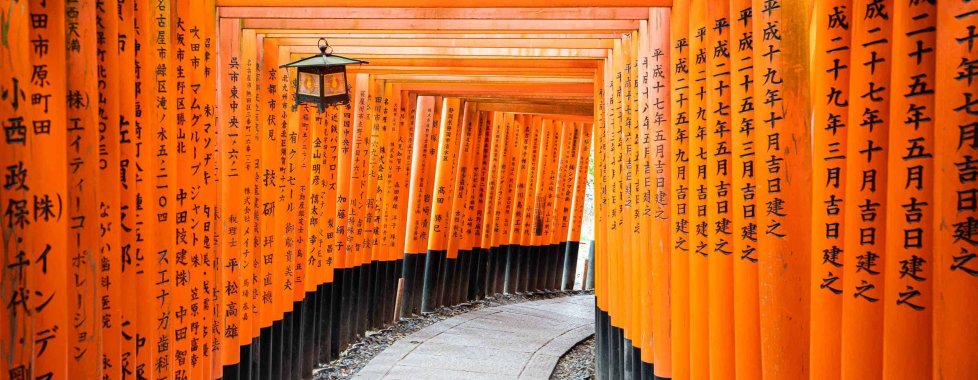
<point x="770" y="199"/>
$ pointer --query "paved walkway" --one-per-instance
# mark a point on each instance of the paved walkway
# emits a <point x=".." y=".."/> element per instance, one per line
<point x="517" y="341"/>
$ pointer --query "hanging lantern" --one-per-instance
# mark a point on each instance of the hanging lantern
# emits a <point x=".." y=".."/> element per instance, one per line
<point x="321" y="79"/>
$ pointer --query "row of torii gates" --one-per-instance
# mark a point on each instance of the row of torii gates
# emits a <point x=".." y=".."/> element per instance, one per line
<point x="783" y="189"/>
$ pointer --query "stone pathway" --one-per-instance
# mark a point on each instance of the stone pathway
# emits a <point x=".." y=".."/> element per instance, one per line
<point x="518" y="341"/>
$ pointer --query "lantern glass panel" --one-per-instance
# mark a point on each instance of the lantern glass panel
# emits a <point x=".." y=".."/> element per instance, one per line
<point x="335" y="84"/>
<point x="309" y="84"/>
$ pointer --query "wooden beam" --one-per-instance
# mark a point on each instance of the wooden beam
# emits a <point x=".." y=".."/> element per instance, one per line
<point x="529" y="108"/>
<point x="446" y="3"/>
<point x="402" y="24"/>
<point x="356" y="51"/>
<point x="448" y="77"/>
<point x="565" y="43"/>
<point x="380" y="34"/>
<point x="605" y="13"/>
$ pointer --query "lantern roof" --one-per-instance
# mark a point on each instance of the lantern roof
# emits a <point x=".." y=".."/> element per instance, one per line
<point x="324" y="60"/>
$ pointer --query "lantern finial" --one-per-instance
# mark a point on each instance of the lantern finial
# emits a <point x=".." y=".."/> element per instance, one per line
<point x="324" y="45"/>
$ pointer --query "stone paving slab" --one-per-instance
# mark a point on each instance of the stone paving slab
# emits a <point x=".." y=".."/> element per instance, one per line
<point x="518" y="341"/>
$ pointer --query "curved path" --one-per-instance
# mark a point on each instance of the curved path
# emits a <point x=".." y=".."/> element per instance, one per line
<point x="517" y="341"/>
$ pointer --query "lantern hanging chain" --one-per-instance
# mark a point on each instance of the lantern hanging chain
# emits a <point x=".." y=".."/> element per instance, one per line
<point x="324" y="47"/>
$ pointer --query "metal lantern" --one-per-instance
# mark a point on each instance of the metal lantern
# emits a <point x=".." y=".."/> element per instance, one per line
<point x="321" y="79"/>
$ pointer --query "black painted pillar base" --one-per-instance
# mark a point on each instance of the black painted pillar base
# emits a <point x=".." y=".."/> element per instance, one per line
<point x="570" y="264"/>
<point x="492" y="273"/>
<point x="628" y="359"/>
<point x="648" y="371"/>
<point x="336" y="321"/>
<point x="464" y="275"/>
<point x="325" y="323"/>
<point x="429" y="291"/>
<point x="362" y="302"/>
<point x="256" y="356"/>
<point x="286" y="345"/>
<point x="408" y="289"/>
<point x="602" y="342"/>
<point x="266" y="352"/>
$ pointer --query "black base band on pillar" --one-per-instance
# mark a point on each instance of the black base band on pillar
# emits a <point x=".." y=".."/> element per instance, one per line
<point x="525" y="273"/>
<point x="507" y="267"/>
<point x="256" y="352"/>
<point x="384" y="270"/>
<point x="407" y="289"/>
<point x="462" y="276"/>
<point x="536" y="279"/>
<point x="429" y="291"/>
<point x="481" y="270"/>
<point x="275" y="351"/>
<point x="446" y="279"/>
<point x="334" y="316"/>
<point x="629" y="359"/>
<point x="296" y="348"/>
<point x="492" y="264"/>
<point x="229" y="372"/>
<point x="419" y="283"/>
<point x="562" y="261"/>
<point x="244" y="362"/>
<point x="323" y="324"/>
<point x="353" y="305"/>
<point x="636" y="361"/>
<point x="556" y="266"/>
<point x="515" y="269"/>
<point x="549" y="273"/>
<point x="500" y="282"/>
<point x="457" y="279"/>
<point x="342" y="282"/>
<point x="376" y="301"/>
<point x="265" y="361"/>
<point x="648" y="371"/>
<point x="287" y="356"/>
<point x="362" y="301"/>
<point x="601" y="343"/>
<point x="396" y="269"/>
<point x="616" y="359"/>
<point x="570" y="265"/>
<point x="314" y="341"/>
<point x="308" y="336"/>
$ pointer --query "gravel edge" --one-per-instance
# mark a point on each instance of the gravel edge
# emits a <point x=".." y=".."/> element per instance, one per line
<point x="577" y="363"/>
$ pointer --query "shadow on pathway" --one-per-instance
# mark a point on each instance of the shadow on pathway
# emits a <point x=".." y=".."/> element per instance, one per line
<point x="518" y="341"/>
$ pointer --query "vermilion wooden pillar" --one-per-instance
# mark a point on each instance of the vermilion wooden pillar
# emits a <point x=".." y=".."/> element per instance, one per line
<point x="744" y="166"/>
<point x="783" y="146"/>
<point x="866" y="198"/>
<point x="955" y="120"/>
<point x="679" y="188"/>
<point x="908" y="296"/>
<point x="830" y="73"/>
<point x="700" y="230"/>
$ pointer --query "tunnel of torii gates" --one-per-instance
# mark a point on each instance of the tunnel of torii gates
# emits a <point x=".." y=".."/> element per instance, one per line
<point x="772" y="199"/>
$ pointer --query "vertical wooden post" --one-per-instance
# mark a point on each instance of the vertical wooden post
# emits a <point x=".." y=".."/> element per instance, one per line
<point x="956" y="210"/>
<point x="719" y="191"/>
<point x="747" y="347"/>
<point x="865" y="201"/>
<point x="700" y="231"/>
<point x="783" y="142"/>
<point x="17" y="277"/>
<point x="83" y="191"/>
<point x="908" y="296"/>
<point x="679" y="84"/>
<point x="660" y="156"/>
<point x="41" y="181"/>
<point x="831" y="66"/>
